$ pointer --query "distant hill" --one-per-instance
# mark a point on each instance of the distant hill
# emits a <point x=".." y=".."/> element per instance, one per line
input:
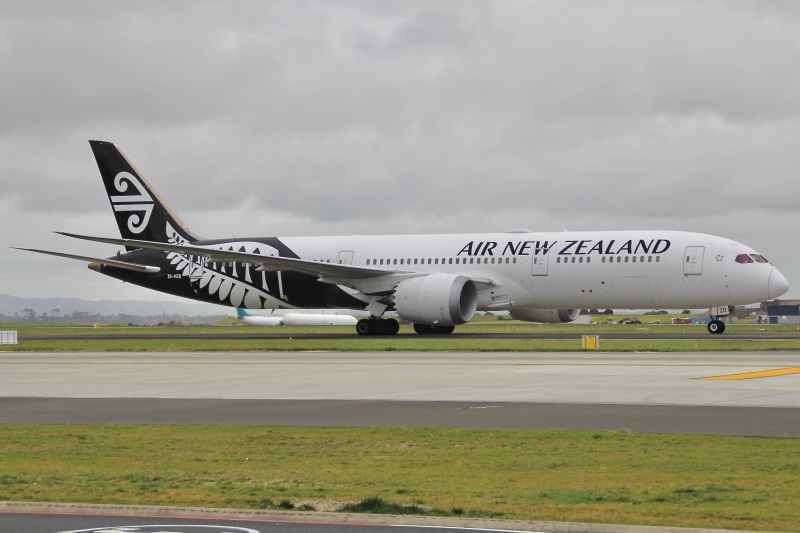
<point x="11" y="306"/>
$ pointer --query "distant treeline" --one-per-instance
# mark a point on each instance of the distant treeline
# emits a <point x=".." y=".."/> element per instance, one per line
<point x="82" y="317"/>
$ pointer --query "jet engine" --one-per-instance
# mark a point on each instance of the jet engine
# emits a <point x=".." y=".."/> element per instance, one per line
<point x="548" y="316"/>
<point x="436" y="299"/>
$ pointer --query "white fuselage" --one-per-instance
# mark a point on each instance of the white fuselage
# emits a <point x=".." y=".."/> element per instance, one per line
<point x="601" y="269"/>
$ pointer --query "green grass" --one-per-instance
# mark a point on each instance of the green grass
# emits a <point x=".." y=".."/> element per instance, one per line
<point x="402" y="343"/>
<point x="668" y="338"/>
<point x="667" y="480"/>
<point x="670" y="480"/>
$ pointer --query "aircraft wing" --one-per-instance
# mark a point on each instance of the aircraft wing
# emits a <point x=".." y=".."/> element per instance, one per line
<point x="110" y="262"/>
<point x="269" y="263"/>
<point x="370" y="280"/>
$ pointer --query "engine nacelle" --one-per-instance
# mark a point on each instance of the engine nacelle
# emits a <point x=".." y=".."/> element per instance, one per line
<point x="547" y="316"/>
<point x="436" y="299"/>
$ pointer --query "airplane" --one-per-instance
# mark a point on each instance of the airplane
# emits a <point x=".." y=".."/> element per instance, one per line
<point x="252" y="320"/>
<point x="295" y="319"/>
<point x="435" y="281"/>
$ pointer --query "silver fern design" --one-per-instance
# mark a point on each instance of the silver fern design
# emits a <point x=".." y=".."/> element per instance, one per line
<point x="233" y="283"/>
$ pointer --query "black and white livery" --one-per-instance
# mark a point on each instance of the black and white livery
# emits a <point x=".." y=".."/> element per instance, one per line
<point x="435" y="281"/>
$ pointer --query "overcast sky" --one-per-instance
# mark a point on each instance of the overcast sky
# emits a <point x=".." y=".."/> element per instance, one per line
<point x="339" y="117"/>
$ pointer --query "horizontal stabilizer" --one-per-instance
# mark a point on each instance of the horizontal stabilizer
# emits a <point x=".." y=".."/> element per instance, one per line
<point x="107" y="262"/>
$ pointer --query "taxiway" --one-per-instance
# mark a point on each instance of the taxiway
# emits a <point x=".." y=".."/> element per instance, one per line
<point x="736" y="393"/>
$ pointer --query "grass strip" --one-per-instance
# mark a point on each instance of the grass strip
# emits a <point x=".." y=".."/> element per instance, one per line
<point x="623" y="478"/>
<point x="479" y="326"/>
<point x="668" y="338"/>
<point x="398" y="343"/>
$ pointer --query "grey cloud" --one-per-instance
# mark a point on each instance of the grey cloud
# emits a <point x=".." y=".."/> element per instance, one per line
<point x="361" y="117"/>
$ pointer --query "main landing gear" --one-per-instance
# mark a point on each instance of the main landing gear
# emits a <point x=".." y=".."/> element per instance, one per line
<point x="377" y="326"/>
<point x="716" y="326"/>
<point x="390" y="326"/>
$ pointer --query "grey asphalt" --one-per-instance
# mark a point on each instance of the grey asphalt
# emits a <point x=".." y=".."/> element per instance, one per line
<point x="644" y="392"/>
<point x="96" y="518"/>
<point x="709" y="420"/>
<point x="595" y="391"/>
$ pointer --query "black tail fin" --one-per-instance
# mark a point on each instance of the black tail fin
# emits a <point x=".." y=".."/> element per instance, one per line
<point x="139" y="210"/>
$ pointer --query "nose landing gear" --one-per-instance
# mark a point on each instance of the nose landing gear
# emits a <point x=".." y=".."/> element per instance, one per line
<point x="717" y="326"/>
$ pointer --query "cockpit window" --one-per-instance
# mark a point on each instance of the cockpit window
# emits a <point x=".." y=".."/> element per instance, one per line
<point x="750" y="258"/>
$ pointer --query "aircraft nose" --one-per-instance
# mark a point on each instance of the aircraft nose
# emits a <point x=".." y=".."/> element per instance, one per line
<point x="778" y="284"/>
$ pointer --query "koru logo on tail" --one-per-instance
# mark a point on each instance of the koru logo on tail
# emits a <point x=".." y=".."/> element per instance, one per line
<point x="139" y="204"/>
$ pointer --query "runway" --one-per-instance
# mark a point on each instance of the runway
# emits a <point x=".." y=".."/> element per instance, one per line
<point x="663" y="392"/>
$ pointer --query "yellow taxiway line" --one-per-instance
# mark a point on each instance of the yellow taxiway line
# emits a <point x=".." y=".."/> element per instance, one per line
<point x="756" y="375"/>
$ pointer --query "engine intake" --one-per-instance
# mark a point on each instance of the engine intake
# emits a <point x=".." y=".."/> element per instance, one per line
<point x="436" y="299"/>
<point x="546" y="316"/>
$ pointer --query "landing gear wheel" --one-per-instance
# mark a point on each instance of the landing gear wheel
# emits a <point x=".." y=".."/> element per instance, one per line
<point x="393" y="326"/>
<point x="377" y="326"/>
<point x="716" y="326"/>
<point x="365" y="326"/>
<point x="423" y="329"/>
<point x="381" y="327"/>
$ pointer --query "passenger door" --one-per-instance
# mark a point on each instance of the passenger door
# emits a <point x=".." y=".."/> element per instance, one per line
<point x="693" y="260"/>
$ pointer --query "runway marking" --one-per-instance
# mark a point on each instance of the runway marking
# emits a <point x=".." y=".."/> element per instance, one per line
<point x="757" y="375"/>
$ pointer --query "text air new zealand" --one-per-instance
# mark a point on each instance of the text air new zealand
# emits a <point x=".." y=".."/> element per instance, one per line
<point x="435" y="281"/>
